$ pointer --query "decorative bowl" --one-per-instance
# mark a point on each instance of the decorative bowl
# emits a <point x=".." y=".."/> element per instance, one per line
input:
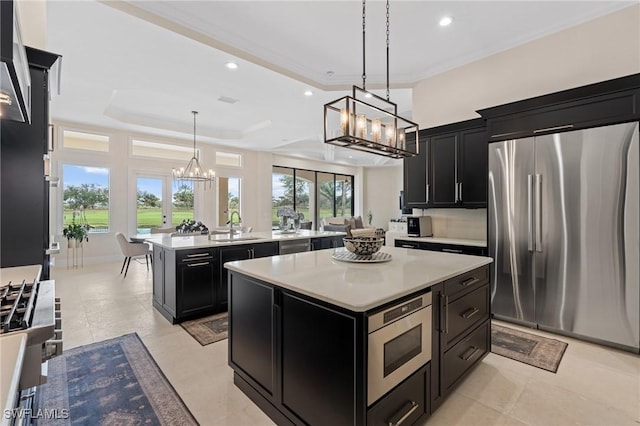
<point x="363" y="246"/>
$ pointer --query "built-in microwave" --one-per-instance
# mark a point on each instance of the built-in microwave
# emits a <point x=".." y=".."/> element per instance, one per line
<point x="419" y="226"/>
<point x="399" y="344"/>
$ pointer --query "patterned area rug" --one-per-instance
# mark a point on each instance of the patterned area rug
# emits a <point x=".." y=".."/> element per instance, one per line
<point x="115" y="382"/>
<point x="528" y="348"/>
<point x="209" y="329"/>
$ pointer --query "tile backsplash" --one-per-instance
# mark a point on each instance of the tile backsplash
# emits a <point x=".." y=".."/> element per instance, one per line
<point x="468" y="224"/>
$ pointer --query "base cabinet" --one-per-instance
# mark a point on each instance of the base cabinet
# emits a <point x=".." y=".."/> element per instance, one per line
<point x="447" y="248"/>
<point x="326" y="243"/>
<point x="304" y="361"/>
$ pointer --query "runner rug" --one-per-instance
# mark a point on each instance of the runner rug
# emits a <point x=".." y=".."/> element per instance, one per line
<point x="114" y="382"/>
<point x="528" y="348"/>
<point x="209" y="329"/>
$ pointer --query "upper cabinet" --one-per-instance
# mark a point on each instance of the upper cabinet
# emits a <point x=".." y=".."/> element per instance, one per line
<point x="608" y="102"/>
<point x="416" y="173"/>
<point x="15" y="81"/>
<point x="451" y="170"/>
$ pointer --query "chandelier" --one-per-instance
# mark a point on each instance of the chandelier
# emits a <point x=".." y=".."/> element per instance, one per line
<point x="367" y="122"/>
<point x="194" y="172"/>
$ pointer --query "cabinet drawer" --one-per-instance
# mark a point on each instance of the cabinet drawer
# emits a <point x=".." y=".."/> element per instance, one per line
<point x="407" y="244"/>
<point x="403" y="405"/>
<point x="193" y="255"/>
<point x="466" y="312"/>
<point x="459" y="359"/>
<point x="467" y="282"/>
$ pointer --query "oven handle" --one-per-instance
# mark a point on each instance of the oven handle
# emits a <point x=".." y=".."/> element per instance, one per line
<point x="410" y="406"/>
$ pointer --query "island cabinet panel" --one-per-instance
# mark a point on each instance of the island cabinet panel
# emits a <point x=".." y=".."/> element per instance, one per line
<point x="233" y="253"/>
<point x="252" y="341"/>
<point x="319" y="363"/>
<point x="326" y="243"/>
<point x="458" y="361"/>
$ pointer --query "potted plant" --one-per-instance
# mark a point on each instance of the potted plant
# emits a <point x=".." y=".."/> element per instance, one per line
<point x="75" y="231"/>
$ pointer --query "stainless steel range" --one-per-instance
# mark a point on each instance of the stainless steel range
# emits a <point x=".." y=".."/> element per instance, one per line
<point x="28" y="306"/>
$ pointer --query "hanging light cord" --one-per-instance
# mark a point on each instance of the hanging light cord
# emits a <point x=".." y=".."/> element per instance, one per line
<point x="364" y="72"/>
<point x="194" y="132"/>
<point x="387" y="49"/>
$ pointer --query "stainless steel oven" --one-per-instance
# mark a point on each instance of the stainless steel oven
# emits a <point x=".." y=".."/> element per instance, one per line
<point x="399" y="344"/>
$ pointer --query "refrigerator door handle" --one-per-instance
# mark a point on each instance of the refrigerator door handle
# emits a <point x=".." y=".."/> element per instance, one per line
<point x="530" y="212"/>
<point x="456" y="193"/>
<point x="538" y="211"/>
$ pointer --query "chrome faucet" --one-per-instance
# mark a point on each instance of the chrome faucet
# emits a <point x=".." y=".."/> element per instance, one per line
<point x="231" y="231"/>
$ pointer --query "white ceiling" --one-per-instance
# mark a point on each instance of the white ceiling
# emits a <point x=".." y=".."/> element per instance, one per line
<point x="144" y="66"/>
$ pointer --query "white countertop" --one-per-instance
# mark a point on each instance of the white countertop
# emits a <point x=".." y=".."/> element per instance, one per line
<point x="358" y="287"/>
<point x="444" y="240"/>
<point x="17" y="274"/>
<point x="217" y="240"/>
<point x="12" y="347"/>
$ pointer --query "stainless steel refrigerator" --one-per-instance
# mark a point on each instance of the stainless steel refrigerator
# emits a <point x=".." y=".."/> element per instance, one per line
<point x="564" y="233"/>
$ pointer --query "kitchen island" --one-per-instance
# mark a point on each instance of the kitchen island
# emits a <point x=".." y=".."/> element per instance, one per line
<point x="306" y="346"/>
<point x="188" y="278"/>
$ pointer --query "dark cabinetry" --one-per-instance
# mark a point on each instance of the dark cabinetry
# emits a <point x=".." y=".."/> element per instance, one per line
<point x="462" y="323"/>
<point x="608" y="102"/>
<point x="451" y="169"/>
<point x="448" y="248"/>
<point x="326" y="243"/>
<point x="23" y="187"/>
<point x="183" y="282"/>
<point x="233" y="253"/>
<point x="416" y="173"/>
<point x="297" y="359"/>
<point x="458" y="163"/>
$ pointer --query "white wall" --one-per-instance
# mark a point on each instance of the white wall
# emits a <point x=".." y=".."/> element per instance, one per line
<point x="602" y="49"/>
<point x="33" y="23"/>
<point x="381" y="192"/>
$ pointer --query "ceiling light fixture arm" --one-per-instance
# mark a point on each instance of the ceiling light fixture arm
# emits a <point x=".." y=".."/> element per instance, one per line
<point x="194" y="132"/>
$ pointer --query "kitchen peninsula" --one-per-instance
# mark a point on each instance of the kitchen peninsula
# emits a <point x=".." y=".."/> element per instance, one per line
<point x="314" y="340"/>
<point x="188" y="278"/>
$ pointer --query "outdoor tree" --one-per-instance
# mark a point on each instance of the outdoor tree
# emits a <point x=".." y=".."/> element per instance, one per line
<point x="85" y="196"/>
<point x="183" y="197"/>
<point x="147" y="199"/>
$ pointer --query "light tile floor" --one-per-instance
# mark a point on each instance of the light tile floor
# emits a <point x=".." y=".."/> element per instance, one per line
<point x="594" y="385"/>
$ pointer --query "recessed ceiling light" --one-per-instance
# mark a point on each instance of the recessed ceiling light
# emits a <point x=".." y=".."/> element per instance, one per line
<point x="308" y="93"/>
<point x="231" y="65"/>
<point x="445" y="21"/>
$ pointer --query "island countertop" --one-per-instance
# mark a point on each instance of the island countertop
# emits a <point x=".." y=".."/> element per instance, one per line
<point x="177" y="242"/>
<point x="358" y="287"/>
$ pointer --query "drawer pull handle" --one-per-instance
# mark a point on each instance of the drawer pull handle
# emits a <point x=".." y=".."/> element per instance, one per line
<point x="407" y="246"/>
<point x="451" y="250"/>
<point x="446" y="314"/>
<point x="469" y="353"/>
<point x="198" y="255"/>
<point x="409" y="407"/>
<point x="469" y="281"/>
<point x="471" y="312"/>
<point x="191" y="265"/>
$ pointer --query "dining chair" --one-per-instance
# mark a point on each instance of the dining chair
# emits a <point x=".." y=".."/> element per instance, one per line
<point x="130" y="250"/>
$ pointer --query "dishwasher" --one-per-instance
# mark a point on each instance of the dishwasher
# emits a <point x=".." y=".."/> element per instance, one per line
<point x="294" y="246"/>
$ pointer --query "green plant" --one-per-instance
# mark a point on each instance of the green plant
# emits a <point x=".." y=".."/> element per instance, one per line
<point x="370" y="216"/>
<point x="77" y="231"/>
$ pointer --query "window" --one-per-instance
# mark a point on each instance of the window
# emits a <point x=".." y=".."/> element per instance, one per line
<point x="228" y="198"/>
<point x="86" y="141"/>
<point x="228" y="159"/>
<point x="86" y="196"/>
<point x="182" y="202"/>
<point x="149" y="208"/>
<point x="314" y="194"/>
<point x="161" y="150"/>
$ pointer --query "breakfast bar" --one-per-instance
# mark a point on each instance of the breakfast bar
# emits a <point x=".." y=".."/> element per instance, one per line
<point x="314" y="339"/>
